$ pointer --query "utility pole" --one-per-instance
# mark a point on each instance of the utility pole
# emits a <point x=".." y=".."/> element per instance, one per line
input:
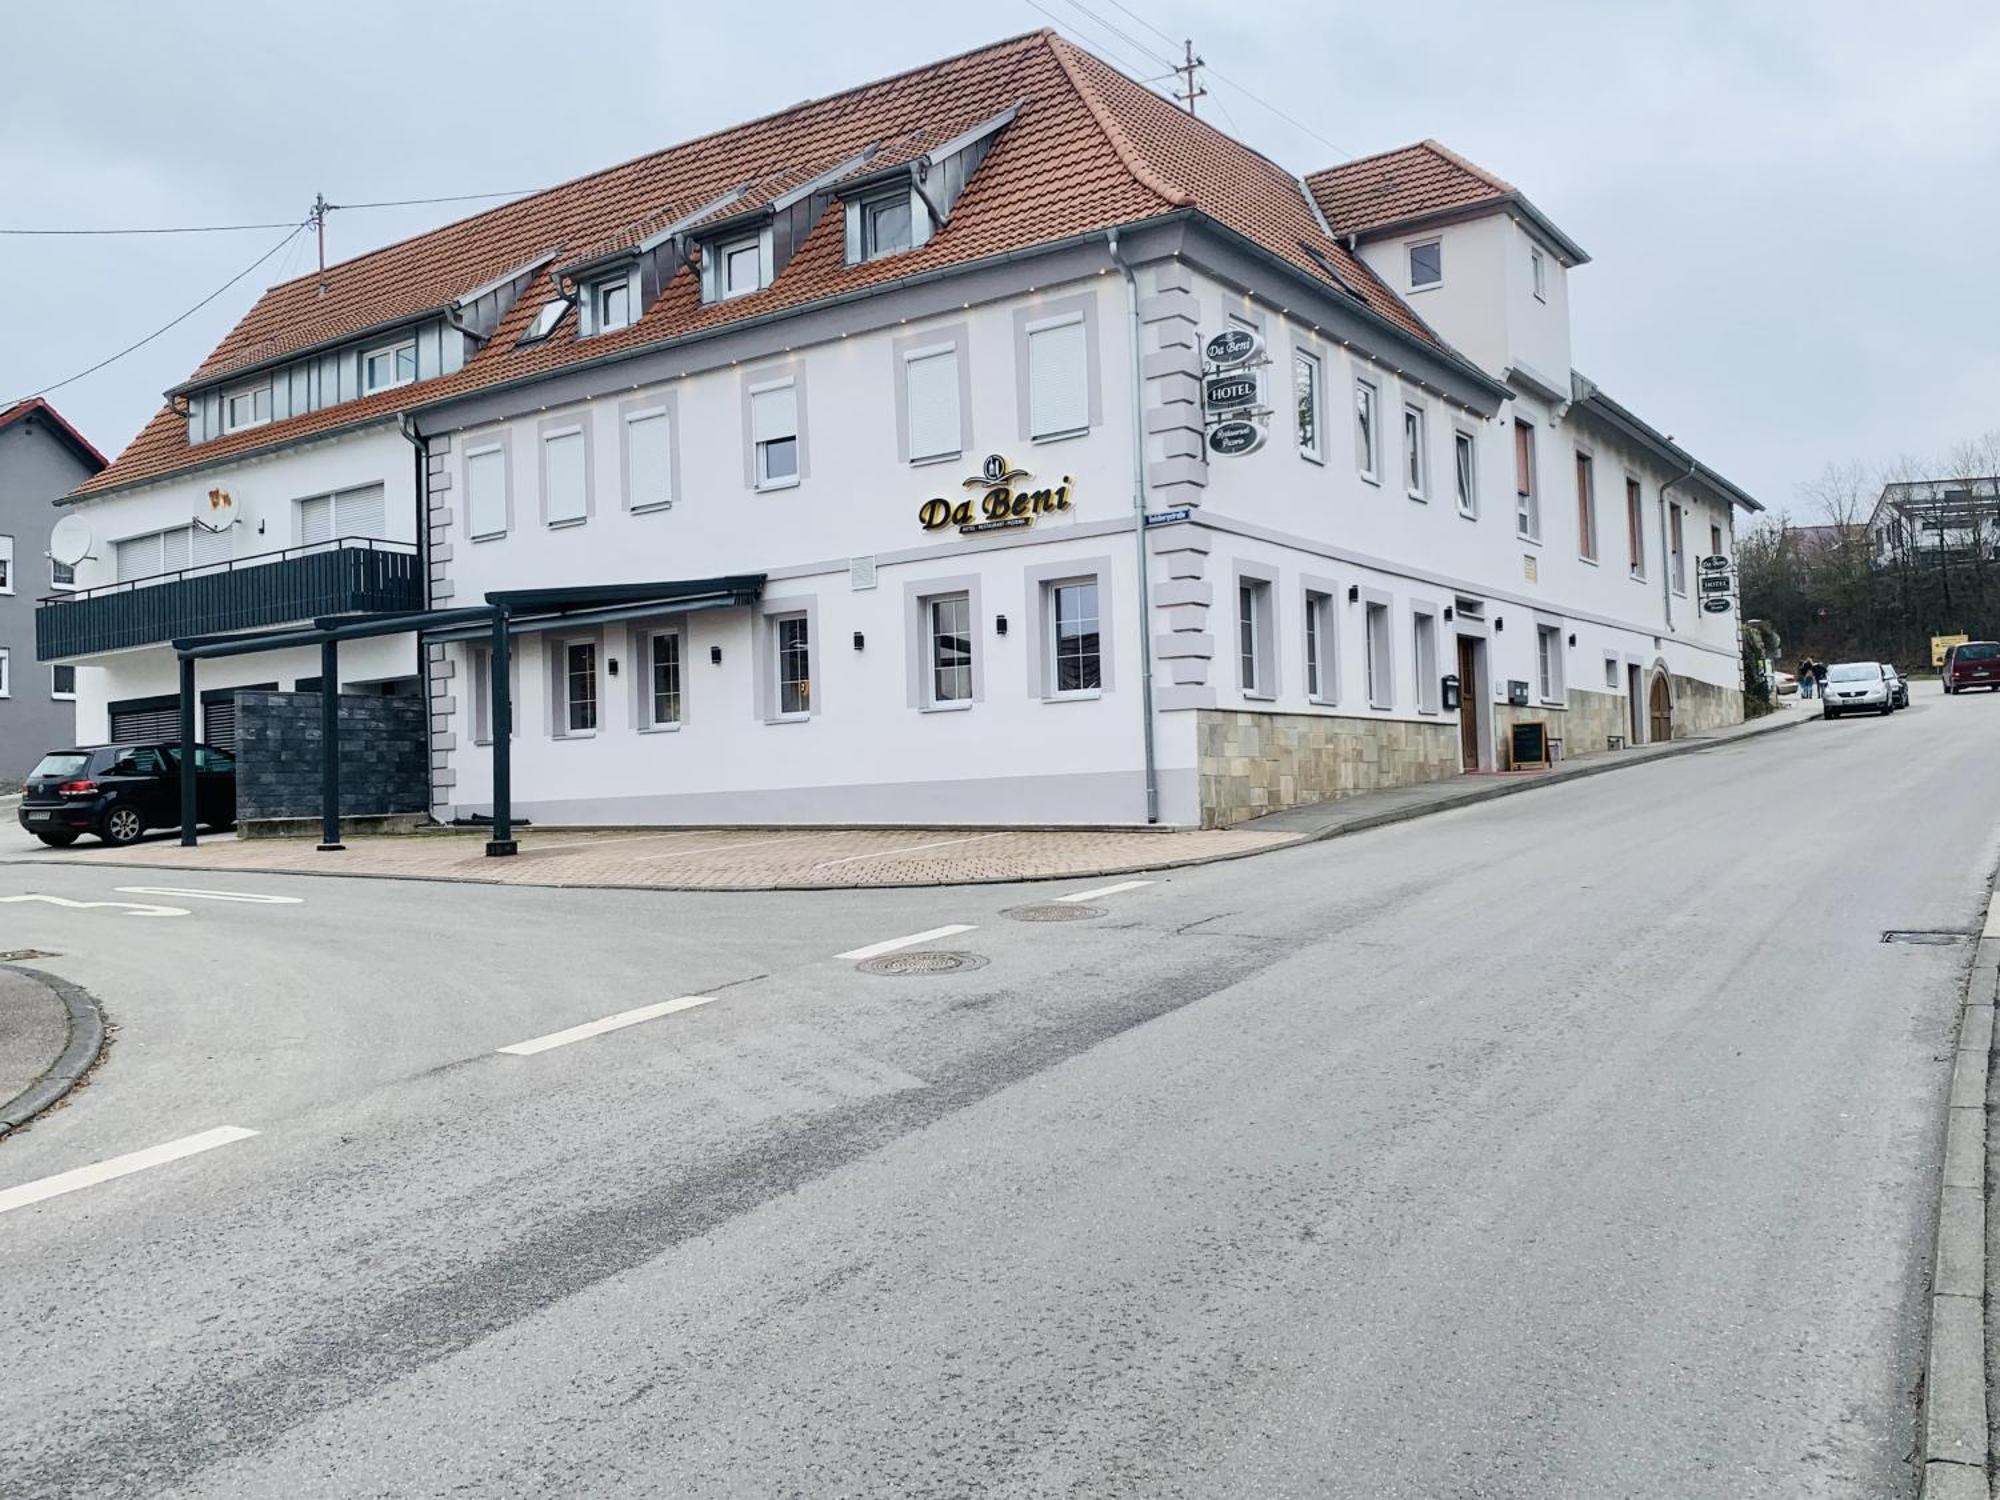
<point x="1191" y="89"/>
<point x="318" y="219"/>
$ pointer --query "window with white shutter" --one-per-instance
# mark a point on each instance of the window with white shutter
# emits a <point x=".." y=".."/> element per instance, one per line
<point x="649" y="475"/>
<point x="175" y="552"/>
<point x="563" y="475"/>
<point x="360" y="512"/>
<point x="315" y="520"/>
<point x="486" y="491"/>
<point x="1058" y="378"/>
<point x="931" y="376"/>
<point x="206" y="547"/>
<point x="138" y="557"/>
<point x="774" y="428"/>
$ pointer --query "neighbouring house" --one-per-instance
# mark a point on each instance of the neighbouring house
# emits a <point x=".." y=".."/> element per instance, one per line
<point x="1933" y="522"/>
<point x="42" y="458"/>
<point x="995" y="443"/>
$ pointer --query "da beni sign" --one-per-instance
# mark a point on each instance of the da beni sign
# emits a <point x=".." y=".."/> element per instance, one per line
<point x="1005" y="499"/>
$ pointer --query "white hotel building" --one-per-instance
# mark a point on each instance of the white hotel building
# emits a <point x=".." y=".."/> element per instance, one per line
<point x="859" y="465"/>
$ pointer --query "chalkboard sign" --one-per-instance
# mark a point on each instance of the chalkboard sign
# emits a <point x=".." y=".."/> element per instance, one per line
<point x="1530" y="745"/>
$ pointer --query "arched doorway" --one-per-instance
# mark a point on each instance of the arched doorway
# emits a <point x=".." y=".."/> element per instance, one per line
<point x="1661" y="727"/>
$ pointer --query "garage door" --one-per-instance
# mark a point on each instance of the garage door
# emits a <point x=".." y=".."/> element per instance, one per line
<point x="218" y="713"/>
<point x="142" y="719"/>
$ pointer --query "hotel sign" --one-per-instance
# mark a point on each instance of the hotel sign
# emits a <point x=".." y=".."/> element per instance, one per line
<point x="1000" y="498"/>
<point x="1235" y="437"/>
<point x="1231" y="391"/>
<point x="1233" y="347"/>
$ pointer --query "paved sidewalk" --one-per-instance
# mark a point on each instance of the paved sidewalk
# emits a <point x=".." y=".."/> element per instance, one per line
<point x="835" y="858"/>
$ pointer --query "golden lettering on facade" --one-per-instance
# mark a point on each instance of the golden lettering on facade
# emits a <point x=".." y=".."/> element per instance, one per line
<point x="1002" y="504"/>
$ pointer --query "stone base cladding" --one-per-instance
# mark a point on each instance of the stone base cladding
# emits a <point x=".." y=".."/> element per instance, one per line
<point x="1253" y="763"/>
<point x="1700" y="706"/>
<point x="278" y="744"/>
<point x="1592" y="721"/>
<point x="1506" y="716"/>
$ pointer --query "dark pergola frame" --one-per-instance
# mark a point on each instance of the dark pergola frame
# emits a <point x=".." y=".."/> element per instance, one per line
<point x="502" y="615"/>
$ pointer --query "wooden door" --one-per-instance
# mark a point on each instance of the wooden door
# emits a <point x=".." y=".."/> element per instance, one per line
<point x="1468" y="702"/>
<point x="1663" y="711"/>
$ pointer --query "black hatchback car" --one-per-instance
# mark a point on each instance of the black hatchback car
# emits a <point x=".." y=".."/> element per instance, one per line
<point x="119" y="791"/>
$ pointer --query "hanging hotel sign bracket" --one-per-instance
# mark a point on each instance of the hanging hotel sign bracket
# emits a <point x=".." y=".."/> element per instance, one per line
<point x="1006" y="500"/>
<point x="1232" y="391"/>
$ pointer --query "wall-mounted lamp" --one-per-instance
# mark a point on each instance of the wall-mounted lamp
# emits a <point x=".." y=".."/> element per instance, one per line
<point x="1572" y="637"/>
<point x="611" y="665"/>
<point x="999" y="624"/>
<point x="715" y="656"/>
<point x="1354" y="593"/>
<point x="1447" y="611"/>
<point x="857" y="640"/>
<point x="1499" y="623"/>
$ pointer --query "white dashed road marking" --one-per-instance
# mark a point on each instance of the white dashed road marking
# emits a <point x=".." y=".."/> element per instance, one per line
<point x="610" y="1023"/>
<point x="120" y="1166"/>
<point x="252" y="898"/>
<point x="910" y="849"/>
<point x="875" y="949"/>
<point x="1106" y="890"/>
<point x="129" y="908"/>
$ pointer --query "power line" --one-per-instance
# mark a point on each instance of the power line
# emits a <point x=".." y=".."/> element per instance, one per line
<point x="450" y="198"/>
<point x="1221" y="77"/>
<point x="1116" y="54"/>
<point x="296" y="230"/>
<point x="158" y="229"/>
<point x="1124" y="36"/>
<point x="1144" y="22"/>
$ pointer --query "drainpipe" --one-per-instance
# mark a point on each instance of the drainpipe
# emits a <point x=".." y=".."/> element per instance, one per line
<point x="1139" y="524"/>
<point x="422" y="475"/>
<point x="1667" y="545"/>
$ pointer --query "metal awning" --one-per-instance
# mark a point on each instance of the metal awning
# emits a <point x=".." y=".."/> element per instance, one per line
<point x="530" y="610"/>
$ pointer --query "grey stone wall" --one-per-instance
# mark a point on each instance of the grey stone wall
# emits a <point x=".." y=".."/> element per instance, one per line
<point x="1593" y="718"/>
<point x="384" y="767"/>
<point x="1252" y="763"/>
<point x="1700" y="706"/>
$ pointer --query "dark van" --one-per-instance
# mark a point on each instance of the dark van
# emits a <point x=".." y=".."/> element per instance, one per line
<point x="1972" y="664"/>
<point x="117" y="792"/>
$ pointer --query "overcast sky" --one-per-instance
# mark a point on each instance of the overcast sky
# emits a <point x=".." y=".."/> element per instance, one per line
<point x="1789" y="205"/>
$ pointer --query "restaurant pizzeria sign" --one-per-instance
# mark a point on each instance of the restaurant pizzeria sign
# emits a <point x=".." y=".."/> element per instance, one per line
<point x="999" y="497"/>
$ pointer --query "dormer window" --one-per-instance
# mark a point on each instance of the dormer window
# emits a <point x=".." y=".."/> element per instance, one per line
<point x="611" y="304"/>
<point x="546" y="317"/>
<point x="741" y="268"/>
<point x="885" y="225"/>
<point x="247" y="406"/>
<point x="391" y="365"/>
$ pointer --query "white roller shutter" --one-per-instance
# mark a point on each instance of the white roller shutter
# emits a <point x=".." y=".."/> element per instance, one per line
<point x="648" y="456"/>
<point x="316" y="520"/>
<point x="360" y="512"/>
<point x="486" y="491"/>
<point x="932" y="379"/>
<point x="774" y="413"/>
<point x="1058" y="379"/>
<point x="563" y="470"/>
<point x="138" y="557"/>
<point x="210" y="546"/>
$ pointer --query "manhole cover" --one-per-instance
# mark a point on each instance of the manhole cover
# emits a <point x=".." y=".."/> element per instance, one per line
<point x="22" y="955"/>
<point x="1053" y="911"/>
<point x="1929" y="939"/>
<point x="936" y="961"/>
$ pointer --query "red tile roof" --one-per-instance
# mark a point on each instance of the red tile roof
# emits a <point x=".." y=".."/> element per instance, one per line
<point x="85" y="449"/>
<point x="1394" y="186"/>
<point x="1089" y="149"/>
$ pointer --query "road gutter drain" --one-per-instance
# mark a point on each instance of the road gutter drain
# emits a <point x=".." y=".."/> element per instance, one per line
<point x="932" y="961"/>
<point x="1053" y="911"/>
<point x="1926" y="937"/>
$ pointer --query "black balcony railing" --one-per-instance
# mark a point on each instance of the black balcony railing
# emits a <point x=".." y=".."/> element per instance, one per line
<point x="273" y="588"/>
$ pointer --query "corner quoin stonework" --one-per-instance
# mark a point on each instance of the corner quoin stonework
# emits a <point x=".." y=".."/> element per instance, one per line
<point x="1255" y="763"/>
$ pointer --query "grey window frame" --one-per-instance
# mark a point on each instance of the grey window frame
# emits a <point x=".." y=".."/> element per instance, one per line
<point x="1260" y="584"/>
<point x="252" y="389"/>
<point x="1527" y="502"/>
<point x="1587" y="529"/>
<point x="1320" y="618"/>
<point x="1416" y="452"/>
<point x="766" y="378"/>
<point x="664" y="406"/>
<point x="500" y="441"/>
<point x="1309" y="364"/>
<point x="917" y="596"/>
<point x="1538" y="273"/>
<point x="1048" y="314"/>
<point x="648" y="639"/>
<point x="778" y="625"/>
<point x="1378" y="649"/>
<point x="764" y="658"/>
<point x="393" y="350"/>
<point x="1435" y="242"/>
<point x="1551" y="686"/>
<point x="560" y="703"/>
<point x="1635" y="527"/>
<point x="1368" y="429"/>
<point x="1677" y="547"/>
<point x="1465" y="480"/>
<point x="580" y="425"/>
<point x="932" y="344"/>
<point x="1424" y="631"/>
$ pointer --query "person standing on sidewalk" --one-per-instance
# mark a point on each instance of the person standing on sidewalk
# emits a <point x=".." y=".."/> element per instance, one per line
<point x="1819" y="679"/>
<point x="1805" y="678"/>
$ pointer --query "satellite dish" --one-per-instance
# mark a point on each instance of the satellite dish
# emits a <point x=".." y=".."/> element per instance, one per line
<point x="69" y="541"/>
<point x="218" y="514"/>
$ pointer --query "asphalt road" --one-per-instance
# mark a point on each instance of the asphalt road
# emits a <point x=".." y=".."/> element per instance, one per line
<point x="1579" y="1144"/>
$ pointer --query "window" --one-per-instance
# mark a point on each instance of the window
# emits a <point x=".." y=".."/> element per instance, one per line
<point x="1058" y="378"/>
<point x="1465" y="473"/>
<point x="1548" y="662"/>
<point x="1426" y="265"/>
<point x="1527" y="505"/>
<point x="486" y="490"/>
<point x="949" y="618"/>
<point x="247" y="407"/>
<point x="391" y="365"/>
<point x="664" y="690"/>
<point x="1586" y="508"/>
<point x="1077" y="667"/>
<point x="1714" y="541"/>
<point x="741" y="269"/>
<point x="649" y="468"/>
<point x="1611" y="672"/>
<point x="1676" y="554"/>
<point x="1425" y="646"/>
<point x="1305" y="391"/>
<point x="930" y="379"/>
<point x="793" y="643"/>
<point x="357" y="512"/>
<point x="1381" y="683"/>
<point x="6" y="681"/>
<point x="479" y="662"/>
<point x="1253" y="638"/>
<point x="62" y="683"/>
<point x="580" y="687"/>
<point x="774" y="428"/>
<point x="1319" y="647"/>
<point x="6" y="565"/>
<point x="547" y="316"/>
<point x="62" y="575"/>
<point x="885" y="225"/>
<point x="1364" y="428"/>
<point x="565" y="476"/>
<point x="1635" y="528"/>
<point x="611" y="304"/>
<point x="1416" y="475"/>
<point x="157" y="553"/>
<point x="1538" y="275"/>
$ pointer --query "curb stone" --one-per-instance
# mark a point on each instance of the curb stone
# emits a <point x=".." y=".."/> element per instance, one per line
<point x="1954" y="1426"/>
<point x="86" y="1044"/>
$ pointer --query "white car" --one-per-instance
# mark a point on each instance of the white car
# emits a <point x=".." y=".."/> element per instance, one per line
<point x="1854" y="687"/>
